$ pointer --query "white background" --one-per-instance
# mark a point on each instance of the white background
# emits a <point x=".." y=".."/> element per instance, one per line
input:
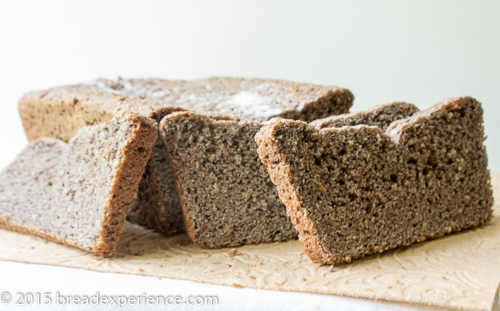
<point x="416" y="51"/>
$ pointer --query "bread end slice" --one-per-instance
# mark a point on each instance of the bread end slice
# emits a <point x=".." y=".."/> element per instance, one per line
<point x="357" y="190"/>
<point x="78" y="193"/>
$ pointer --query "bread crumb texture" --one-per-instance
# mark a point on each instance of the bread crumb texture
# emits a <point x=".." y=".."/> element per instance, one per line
<point x="78" y="193"/>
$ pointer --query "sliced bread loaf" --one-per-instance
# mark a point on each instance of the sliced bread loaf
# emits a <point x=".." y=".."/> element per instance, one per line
<point x="357" y="190"/>
<point x="61" y="112"/>
<point x="226" y="194"/>
<point x="78" y="193"/>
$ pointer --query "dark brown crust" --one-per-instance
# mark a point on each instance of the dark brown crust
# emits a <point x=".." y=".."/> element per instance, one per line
<point x="281" y="175"/>
<point x="284" y="174"/>
<point x="136" y="153"/>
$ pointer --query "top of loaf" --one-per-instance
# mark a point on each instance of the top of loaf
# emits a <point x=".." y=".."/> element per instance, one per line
<point x="244" y="99"/>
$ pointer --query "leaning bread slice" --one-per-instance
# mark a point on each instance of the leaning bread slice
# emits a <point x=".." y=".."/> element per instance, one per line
<point x="78" y="193"/>
<point x="357" y="190"/>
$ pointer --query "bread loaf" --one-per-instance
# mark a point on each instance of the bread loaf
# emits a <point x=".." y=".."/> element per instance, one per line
<point x="60" y="112"/>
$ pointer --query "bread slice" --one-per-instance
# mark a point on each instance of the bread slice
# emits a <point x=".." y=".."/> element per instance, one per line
<point x="78" y="193"/>
<point x="60" y="112"/>
<point x="356" y="190"/>
<point x="227" y="196"/>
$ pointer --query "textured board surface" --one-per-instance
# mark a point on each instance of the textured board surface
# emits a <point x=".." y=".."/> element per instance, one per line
<point x="460" y="271"/>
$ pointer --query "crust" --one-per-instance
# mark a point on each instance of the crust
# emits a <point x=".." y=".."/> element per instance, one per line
<point x="281" y="175"/>
<point x="135" y="156"/>
<point x="12" y="225"/>
<point x="60" y="112"/>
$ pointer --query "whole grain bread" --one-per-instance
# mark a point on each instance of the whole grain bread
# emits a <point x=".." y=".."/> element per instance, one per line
<point x="60" y="112"/>
<point x="226" y="194"/>
<point x="357" y="190"/>
<point x="78" y="193"/>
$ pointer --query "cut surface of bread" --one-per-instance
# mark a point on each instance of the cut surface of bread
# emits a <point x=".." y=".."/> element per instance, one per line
<point x="60" y="112"/>
<point x="357" y="190"/>
<point x="226" y="194"/>
<point x="78" y="193"/>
